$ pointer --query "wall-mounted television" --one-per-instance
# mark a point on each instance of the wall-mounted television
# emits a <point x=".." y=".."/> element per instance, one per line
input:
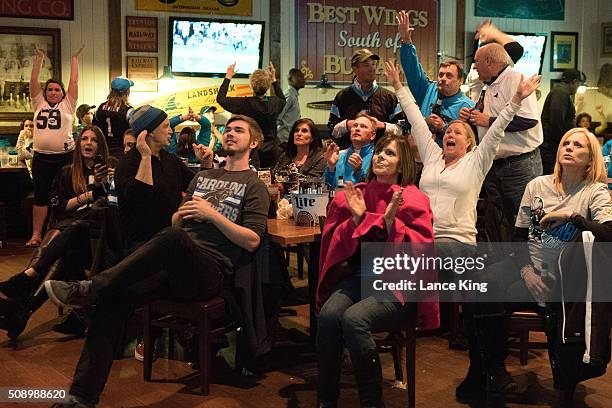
<point x="205" y="47"/>
<point x="533" y="53"/>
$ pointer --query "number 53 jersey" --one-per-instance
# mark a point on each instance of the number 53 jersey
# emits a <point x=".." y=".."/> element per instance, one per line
<point x="53" y="125"/>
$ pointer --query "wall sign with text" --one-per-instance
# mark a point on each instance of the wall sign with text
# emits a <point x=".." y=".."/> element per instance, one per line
<point x="141" y="34"/>
<point x="330" y="31"/>
<point x="216" y="7"/>
<point x="45" y="9"/>
<point x="143" y="71"/>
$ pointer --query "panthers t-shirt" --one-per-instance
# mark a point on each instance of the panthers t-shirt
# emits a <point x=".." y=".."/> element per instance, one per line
<point x="53" y="125"/>
<point x="240" y="197"/>
<point x="592" y="201"/>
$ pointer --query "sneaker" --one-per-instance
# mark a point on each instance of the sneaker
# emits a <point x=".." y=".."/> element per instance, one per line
<point x="72" y="402"/>
<point x="472" y="387"/>
<point x="74" y="294"/>
<point x="139" y="350"/>
<point x="17" y="285"/>
<point x="72" y="324"/>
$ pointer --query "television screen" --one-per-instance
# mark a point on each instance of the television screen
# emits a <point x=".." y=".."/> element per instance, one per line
<point x="205" y="47"/>
<point x="533" y="54"/>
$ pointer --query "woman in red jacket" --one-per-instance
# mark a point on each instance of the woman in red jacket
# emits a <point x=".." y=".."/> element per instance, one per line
<point x="389" y="208"/>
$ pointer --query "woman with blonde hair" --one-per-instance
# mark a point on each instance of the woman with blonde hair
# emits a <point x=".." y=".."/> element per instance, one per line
<point x="554" y="211"/>
<point x="263" y="109"/>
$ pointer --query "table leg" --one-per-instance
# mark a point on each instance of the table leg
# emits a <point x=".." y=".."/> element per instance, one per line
<point x="313" y="280"/>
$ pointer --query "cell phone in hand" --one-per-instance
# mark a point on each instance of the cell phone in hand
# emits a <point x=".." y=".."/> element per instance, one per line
<point x="98" y="159"/>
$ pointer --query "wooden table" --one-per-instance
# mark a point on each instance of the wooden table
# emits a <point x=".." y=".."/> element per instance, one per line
<point x="285" y="232"/>
<point x="13" y="169"/>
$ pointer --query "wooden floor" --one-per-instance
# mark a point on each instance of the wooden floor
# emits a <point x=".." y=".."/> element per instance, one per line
<point x="43" y="358"/>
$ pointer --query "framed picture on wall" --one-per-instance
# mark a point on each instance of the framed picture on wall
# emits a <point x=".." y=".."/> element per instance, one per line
<point x="564" y="51"/>
<point x="606" y="39"/>
<point x="143" y="71"/>
<point x="16" y="58"/>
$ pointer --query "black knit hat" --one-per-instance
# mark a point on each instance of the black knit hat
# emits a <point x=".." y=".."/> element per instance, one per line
<point x="146" y="117"/>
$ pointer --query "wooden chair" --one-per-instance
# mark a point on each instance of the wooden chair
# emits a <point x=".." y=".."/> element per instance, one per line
<point x="296" y="249"/>
<point x="210" y="323"/>
<point x="402" y="341"/>
<point x="523" y="322"/>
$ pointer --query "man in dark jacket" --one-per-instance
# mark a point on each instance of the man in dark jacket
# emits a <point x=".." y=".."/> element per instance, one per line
<point x="364" y="94"/>
<point x="558" y="116"/>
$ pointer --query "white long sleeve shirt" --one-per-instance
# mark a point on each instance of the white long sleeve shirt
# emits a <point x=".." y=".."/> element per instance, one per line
<point x="453" y="191"/>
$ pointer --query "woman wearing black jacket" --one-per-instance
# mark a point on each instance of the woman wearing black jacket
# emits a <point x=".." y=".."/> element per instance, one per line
<point x="74" y="190"/>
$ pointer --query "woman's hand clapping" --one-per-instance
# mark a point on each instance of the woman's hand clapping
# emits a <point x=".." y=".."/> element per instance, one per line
<point x="355" y="201"/>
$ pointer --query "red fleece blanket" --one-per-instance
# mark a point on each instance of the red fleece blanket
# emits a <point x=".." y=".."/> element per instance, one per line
<point x="341" y="238"/>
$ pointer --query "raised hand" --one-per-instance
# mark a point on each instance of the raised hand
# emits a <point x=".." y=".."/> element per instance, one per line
<point x="526" y="87"/>
<point x="202" y="152"/>
<point x="231" y="69"/>
<point x="599" y="109"/>
<point x="404" y="29"/>
<point x="141" y="144"/>
<point x="355" y="201"/>
<point x="272" y="71"/>
<point x="40" y="53"/>
<point x="392" y="73"/>
<point x="486" y="31"/>
<point x="78" y="52"/>
<point x="392" y="208"/>
<point x="332" y="154"/>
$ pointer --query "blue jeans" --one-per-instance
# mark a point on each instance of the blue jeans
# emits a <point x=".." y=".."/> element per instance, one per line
<point x="348" y="320"/>
<point x="504" y="185"/>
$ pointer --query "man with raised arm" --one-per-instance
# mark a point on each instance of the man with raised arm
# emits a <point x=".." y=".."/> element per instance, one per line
<point x="440" y="101"/>
<point x="517" y="161"/>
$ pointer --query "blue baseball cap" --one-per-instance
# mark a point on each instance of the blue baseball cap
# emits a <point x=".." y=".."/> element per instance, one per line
<point x="121" y="84"/>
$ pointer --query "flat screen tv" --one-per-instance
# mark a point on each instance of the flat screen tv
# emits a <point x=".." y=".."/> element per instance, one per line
<point x="205" y="47"/>
<point x="533" y="54"/>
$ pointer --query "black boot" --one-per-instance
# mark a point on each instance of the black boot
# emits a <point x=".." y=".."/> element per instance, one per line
<point x="19" y="285"/>
<point x="329" y="370"/>
<point x="22" y="285"/>
<point x="368" y="373"/>
<point x="494" y="340"/>
<point x="473" y="385"/>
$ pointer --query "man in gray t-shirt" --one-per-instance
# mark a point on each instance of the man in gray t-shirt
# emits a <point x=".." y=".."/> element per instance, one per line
<point x="222" y="217"/>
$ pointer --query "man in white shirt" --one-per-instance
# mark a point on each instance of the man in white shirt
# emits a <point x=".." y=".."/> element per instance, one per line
<point x="518" y="159"/>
